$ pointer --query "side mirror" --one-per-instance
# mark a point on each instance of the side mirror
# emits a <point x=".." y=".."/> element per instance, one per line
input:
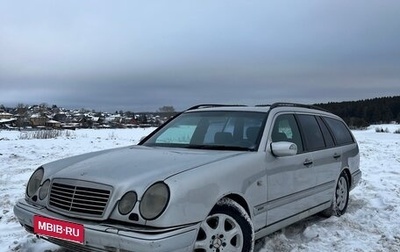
<point x="283" y="149"/>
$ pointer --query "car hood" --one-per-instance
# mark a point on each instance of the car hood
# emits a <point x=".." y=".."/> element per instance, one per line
<point x="133" y="166"/>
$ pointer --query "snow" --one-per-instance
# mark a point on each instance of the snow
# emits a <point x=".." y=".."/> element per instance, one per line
<point x="372" y="221"/>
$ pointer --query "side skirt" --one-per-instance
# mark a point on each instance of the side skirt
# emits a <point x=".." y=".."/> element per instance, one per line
<point x="288" y="221"/>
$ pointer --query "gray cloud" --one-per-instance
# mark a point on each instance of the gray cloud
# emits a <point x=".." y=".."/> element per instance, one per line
<point x="142" y="55"/>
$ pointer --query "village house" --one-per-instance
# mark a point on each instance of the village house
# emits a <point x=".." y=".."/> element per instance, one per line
<point x="53" y="124"/>
<point x="38" y="120"/>
<point x="5" y="115"/>
<point x="6" y="119"/>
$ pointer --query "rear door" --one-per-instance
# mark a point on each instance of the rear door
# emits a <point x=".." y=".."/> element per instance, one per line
<point x="326" y="157"/>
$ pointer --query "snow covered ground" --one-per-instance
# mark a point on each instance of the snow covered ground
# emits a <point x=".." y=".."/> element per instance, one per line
<point x="372" y="222"/>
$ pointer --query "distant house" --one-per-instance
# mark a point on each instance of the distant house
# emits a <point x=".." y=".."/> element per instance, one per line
<point x="4" y="115"/>
<point x="7" y="119"/>
<point x="53" y="124"/>
<point x="7" y="123"/>
<point x="38" y="120"/>
<point x="61" y="117"/>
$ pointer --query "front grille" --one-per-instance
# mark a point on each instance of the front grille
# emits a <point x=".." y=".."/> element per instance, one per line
<point x="79" y="198"/>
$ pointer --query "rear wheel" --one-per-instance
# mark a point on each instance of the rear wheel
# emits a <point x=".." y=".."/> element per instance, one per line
<point x="341" y="197"/>
<point x="227" y="228"/>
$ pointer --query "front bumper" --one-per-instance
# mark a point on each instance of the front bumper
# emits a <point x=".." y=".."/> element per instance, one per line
<point x="105" y="237"/>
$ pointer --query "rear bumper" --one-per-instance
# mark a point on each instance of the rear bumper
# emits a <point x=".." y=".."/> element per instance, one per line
<point x="114" y="238"/>
<point x="355" y="179"/>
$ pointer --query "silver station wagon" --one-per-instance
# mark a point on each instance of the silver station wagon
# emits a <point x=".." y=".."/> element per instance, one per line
<point x="213" y="178"/>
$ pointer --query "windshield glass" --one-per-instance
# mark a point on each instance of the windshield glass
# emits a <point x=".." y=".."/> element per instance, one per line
<point x="222" y="130"/>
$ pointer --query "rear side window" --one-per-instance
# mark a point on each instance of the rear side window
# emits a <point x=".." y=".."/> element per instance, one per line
<point x="329" y="142"/>
<point x="312" y="133"/>
<point x="341" y="133"/>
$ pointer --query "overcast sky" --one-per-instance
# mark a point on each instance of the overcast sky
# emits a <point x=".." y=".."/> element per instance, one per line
<point x="142" y="55"/>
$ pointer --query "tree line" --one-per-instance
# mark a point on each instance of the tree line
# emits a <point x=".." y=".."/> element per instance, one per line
<point x="362" y="113"/>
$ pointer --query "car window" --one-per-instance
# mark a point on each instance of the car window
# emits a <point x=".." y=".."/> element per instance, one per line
<point x="341" y="133"/>
<point x="329" y="142"/>
<point x="233" y="130"/>
<point x="218" y="124"/>
<point x="286" y="129"/>
<point x="178" y="133"/>
<point x="312" y="132"/>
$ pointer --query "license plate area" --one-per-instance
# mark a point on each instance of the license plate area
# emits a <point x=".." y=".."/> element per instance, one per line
<point x="63" y="230"/>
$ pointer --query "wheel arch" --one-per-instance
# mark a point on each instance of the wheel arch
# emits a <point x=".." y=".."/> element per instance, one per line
<point x="347" y="172"/>
<point x="241" y="201"/>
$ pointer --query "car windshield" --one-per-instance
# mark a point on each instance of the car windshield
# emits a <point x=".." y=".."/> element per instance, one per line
<point x="219" y="130"/>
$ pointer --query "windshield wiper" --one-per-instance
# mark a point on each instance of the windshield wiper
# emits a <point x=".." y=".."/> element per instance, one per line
<point x="219" y="147"/>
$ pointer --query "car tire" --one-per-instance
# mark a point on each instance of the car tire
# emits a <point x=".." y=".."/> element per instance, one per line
<point x="227" y="228"/>
<point x="341" y="197"/>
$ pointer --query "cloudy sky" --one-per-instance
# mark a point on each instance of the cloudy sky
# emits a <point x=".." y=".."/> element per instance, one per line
<point x="142" y="55"/>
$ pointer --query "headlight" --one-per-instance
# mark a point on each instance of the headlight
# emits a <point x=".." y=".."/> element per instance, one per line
<point x="127" y="203"/>
<point x="44" y="190"/>
<point x="34" y="182"/>
<point x="154" y="201"/>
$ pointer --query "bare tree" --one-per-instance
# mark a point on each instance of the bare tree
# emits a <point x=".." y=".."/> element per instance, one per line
<point x="22" y="115"/>
<point x="166" y="109"/>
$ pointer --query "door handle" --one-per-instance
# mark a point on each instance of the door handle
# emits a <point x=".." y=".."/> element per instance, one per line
<point x="336" y="156"/>
<point x="308" y="162"/>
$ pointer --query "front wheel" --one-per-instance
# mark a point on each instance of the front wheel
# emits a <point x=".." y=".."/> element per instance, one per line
<point x="228" y="228"/>
<point x="341" y="197"/>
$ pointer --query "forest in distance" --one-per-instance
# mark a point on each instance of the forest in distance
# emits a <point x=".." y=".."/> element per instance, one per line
<point x="362" y="113"/>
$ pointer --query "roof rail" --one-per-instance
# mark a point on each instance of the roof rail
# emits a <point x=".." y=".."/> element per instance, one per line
<point x="213" y="106"/>
<point x="297" y="105"/>
<point x="263" y="105"/>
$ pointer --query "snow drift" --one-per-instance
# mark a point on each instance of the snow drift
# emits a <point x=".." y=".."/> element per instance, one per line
<point x="372" y="221"/>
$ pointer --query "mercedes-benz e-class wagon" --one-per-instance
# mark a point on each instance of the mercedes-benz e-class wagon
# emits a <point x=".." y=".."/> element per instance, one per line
<point x="213" y="178"/>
